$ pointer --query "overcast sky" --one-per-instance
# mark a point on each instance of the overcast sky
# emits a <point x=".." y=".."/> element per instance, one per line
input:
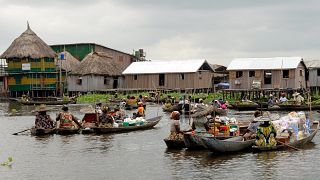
<point x="172" y="29"/>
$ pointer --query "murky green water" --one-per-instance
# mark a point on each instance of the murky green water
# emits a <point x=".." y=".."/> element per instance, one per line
<point x="136" y="155"/>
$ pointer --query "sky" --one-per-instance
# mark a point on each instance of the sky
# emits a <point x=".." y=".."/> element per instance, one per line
<point x="215" y="30"/>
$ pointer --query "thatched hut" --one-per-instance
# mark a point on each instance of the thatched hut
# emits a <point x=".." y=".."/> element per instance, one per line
<point x="97" y="72"/>
<point x="31" y="66"/>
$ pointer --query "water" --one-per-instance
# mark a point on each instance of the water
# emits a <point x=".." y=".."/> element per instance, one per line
<point x="136" y="155"/>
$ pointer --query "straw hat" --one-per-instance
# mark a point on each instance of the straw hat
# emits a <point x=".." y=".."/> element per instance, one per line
<point x="88" y="110"/>
<point x="41" y="108"/>
<point x="295" y="94"/>
<point x="266" y="116"/>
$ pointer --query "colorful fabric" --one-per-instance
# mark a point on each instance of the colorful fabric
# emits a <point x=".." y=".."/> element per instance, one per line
<point x="66" y="120"/>
<point x="140" y="111"/>
<point x="43" y="121"/>
<point x="266" y="136"/>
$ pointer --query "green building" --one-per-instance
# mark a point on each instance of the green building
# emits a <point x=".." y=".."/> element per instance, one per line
<point x="31" y="66"/>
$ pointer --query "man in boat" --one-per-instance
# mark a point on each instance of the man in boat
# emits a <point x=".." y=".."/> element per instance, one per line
<point x="298" y="98"/>
<point x="43" y="120"/>
<point x="67" y="119"/>
<point x="253" y="126"/>
<point x="105" y="119"/>
<point x="140" y="112"/>
<point x="266" y="133"/>
<point x="175" y="132"/>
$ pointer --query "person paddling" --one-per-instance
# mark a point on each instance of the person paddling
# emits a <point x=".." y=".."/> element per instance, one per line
<point x="43" y="120"/>
<point x="67" y="120"/>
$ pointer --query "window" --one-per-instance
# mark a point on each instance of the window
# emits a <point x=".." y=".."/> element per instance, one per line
<point x="135" y="77"/>
<point x="267" y="77"/>
<point x="318" y="72"/>
<point x="79" y="81"/>
<point x="200" y="76"/>
<point x="301" y="72"/>
<point x="106" y="81"/>
<point x="182" y="76"/>
<point x="239" y="74"/>
<point x="252" y="73"/>
<point x="285" y="74"/>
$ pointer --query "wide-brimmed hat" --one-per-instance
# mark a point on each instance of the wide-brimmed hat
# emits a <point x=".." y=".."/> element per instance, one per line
<point x="295" y="94"/>
<point x="41" y="108"/>
<point x="88" y="110"/>
<point x="267" y="116"/>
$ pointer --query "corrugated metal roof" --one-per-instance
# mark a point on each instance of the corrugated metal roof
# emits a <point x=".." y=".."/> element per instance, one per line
<point x="312" y="64"/>
<point x="171" y="66"/>
<point x="264" y="63"/>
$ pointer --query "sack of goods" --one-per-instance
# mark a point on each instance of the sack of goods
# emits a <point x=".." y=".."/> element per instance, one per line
<point x="136" y="121"/>
<point x="295" y="126"/>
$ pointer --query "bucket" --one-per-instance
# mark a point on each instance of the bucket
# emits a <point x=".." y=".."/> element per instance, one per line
<point x="125" y="124"/>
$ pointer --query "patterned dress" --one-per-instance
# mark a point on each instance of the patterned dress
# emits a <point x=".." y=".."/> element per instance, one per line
<point x="66" y="120"/>
<point x="266" y="136"/>
<point x="43" y="121"/>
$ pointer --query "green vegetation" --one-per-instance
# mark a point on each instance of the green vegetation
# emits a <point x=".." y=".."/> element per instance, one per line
<point x="8" y="162"/>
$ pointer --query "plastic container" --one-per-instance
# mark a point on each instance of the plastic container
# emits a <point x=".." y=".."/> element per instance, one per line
<point x="125" y="124"/>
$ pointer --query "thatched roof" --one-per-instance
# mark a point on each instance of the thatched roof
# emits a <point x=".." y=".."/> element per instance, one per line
<point x="28" y="44"/>
<point x="99" y="63"/>
<point x="70" y="63"/>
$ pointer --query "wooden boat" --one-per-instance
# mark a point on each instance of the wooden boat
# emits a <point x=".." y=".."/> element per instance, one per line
<point x="67" y="131"/>
<point x="292" y="107"/>
<point x="174" y="144"/>
<point x="87" y="131"/>
<point x="233" y="144"/>
<point x="40" y="132"/>
<point x="193" y="140"/>
<point x="245" y="107"/>
<point x="150" y="123"/>
<point x="298" y="143"/>
<point x="46" y="100"/>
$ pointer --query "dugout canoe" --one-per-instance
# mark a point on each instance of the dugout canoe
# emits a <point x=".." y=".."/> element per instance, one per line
<point x="233" y="144"/>
<point x="149" y="123"/>
<point x="174" y="144"/>
<point x="41" y="132"/>
<point x="67" y="131"/>
<point x="245" y="107"/>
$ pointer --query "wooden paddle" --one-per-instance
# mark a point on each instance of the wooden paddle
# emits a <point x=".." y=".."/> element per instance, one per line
<point x="288" y="146"/>
<point x="21" y="131"/>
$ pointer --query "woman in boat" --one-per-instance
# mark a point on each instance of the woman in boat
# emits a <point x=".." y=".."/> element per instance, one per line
<point x="90" y="118"/>
<point x="105" y="119"/>
<point x="266" y="133"/>
<point x="175" y="132"/>
<point x="67" y="119"/>
<point x="43" y="120"/>
<point x="140" y="112"/>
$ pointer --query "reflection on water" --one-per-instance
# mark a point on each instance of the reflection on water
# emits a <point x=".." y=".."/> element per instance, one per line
<point x="137" y="155"/>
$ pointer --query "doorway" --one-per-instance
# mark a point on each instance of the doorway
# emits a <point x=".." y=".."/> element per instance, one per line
<point x="161" y="79"/>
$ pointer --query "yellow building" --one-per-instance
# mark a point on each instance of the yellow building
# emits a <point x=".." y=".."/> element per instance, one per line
<point x="31" y="66"/>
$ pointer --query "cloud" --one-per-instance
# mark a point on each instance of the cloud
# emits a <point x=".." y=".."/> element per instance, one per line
<point x="215" y="30"/>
